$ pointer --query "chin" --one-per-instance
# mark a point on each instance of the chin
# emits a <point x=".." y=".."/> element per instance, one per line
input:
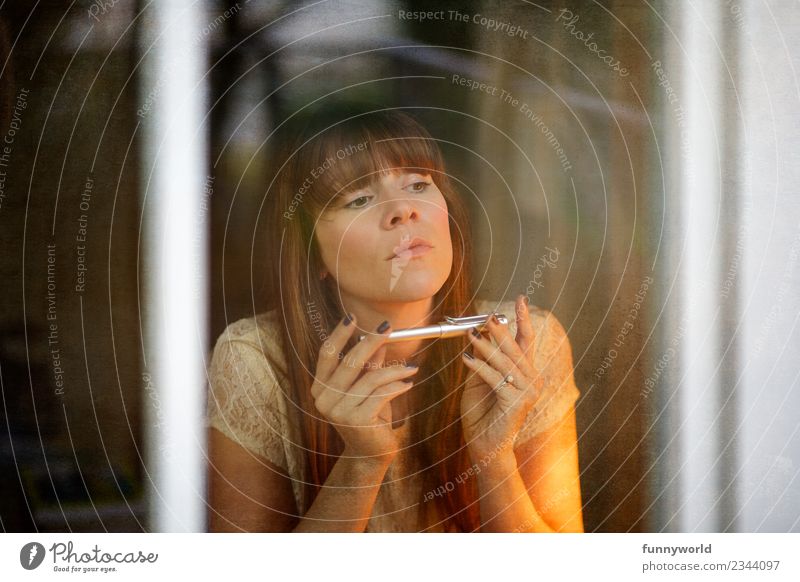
<point x="415" y="286"/>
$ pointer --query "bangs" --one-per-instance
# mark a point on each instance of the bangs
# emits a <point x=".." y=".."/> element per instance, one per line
<point x="359" y="152"/>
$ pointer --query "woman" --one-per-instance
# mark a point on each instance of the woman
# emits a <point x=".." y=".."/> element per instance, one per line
<point x="313" y="430"/>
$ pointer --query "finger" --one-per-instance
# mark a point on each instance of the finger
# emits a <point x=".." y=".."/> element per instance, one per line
<point x="526" y="337"/>
<point x="494" y="378"/>
<point x="475" y="384"/>
<point x="485" y="349"/>
<point x="474" y="380"/>
<point x="354" y="361"/>
<point x="340" y="385"/>
<point x="327" y="399"/>
<point x="375" y="379"/>
<point x="508" y="345"/>
<point x="377" y="359"/>
<point x="370" y="382"/>
<point x="483" y="369"/>
<point x="382" y="396"/>
<point x="328" y="358"/>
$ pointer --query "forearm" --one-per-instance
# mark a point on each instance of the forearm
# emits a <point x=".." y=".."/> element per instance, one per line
<point x="344" y="503"/>
<point x="505" y="505"/>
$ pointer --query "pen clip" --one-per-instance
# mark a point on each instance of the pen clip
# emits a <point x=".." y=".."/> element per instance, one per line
<point x="468" y="320"/>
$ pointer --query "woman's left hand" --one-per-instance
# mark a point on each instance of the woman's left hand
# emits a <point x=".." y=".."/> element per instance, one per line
<point x="492" y="413"/>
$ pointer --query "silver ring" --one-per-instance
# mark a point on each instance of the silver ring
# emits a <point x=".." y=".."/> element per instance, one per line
<point x="507" y="380"/>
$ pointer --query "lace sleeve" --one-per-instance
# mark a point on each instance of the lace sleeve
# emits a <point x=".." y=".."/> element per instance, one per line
<point x="554" y="359"/>
<point x="243" y="399"/>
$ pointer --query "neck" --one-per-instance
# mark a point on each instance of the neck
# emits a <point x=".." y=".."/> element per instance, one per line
<point x="404" y="314"/>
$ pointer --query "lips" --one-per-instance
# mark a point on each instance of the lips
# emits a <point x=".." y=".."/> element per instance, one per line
<point x="410" y="247"/>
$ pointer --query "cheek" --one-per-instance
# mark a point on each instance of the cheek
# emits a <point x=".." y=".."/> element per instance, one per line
<point x="348" y="247"/>
<point x="333" y="246"/>
<point x="355" y="244"/>
<point x="326" y="241"/>
<point x="441" y="218"/>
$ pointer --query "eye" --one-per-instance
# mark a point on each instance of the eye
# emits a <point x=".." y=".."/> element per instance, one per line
<point x="353" y="204"/>
<point x="418" y="187"/>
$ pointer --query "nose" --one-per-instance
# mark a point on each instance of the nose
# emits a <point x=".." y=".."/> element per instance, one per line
<point x="400" y="211"/>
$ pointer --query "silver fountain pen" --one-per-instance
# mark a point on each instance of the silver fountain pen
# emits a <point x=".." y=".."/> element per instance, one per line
<point x="450" y="327"/>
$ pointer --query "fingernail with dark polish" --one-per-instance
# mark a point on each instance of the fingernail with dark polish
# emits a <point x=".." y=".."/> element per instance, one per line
<point x="348" y="319"/>
<point x="383" y="327"/>
<point x="476" y="333"/>
<point x="469" y="356"/>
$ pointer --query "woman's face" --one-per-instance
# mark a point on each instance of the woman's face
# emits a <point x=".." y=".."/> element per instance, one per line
<point x="389" y="241"/>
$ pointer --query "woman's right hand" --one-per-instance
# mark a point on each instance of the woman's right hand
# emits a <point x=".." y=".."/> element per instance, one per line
<point x="360" y="407"/>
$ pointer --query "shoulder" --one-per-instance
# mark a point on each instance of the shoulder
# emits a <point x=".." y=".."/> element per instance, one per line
<point x="246" y="379"/>
<point x="246" y="399"/>
<point x="250" y="345"/>
<point x="253" y="330"/>
<point x="259" y="333"/>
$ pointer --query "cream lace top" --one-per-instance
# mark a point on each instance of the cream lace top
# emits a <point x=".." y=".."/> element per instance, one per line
<point x="246" y="404"/>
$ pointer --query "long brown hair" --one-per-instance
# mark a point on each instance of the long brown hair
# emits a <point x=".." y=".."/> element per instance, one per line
<point x="297" y="194"/>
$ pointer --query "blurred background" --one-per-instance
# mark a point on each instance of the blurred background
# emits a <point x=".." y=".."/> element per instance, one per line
<point x="631" y="166"/>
